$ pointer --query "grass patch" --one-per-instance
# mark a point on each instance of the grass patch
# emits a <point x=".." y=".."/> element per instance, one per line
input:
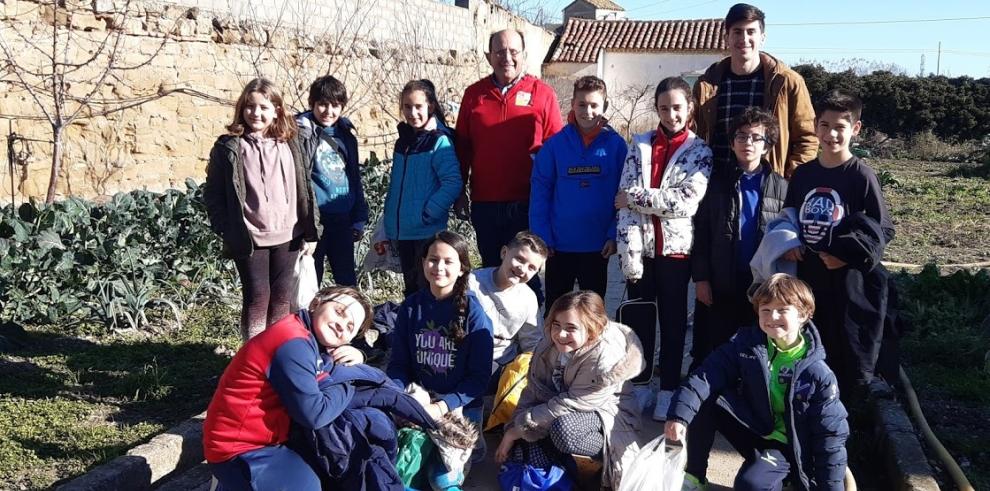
<point x="946" y="355"/>
<point x="68" y="403"/>
<point x="938" y="218"/>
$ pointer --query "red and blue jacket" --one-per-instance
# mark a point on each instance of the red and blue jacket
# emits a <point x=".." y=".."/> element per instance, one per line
<point x="272" y="381"/>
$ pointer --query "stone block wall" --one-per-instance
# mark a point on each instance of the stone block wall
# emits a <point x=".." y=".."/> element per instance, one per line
<point x="189" y="59"/>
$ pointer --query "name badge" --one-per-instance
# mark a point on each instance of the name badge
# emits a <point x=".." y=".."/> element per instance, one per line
<point x="523" y="98"/>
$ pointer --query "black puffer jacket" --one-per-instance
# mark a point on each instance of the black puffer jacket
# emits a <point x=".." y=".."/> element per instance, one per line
<point x="224" y="193"/>
<point x="716" y="225"/>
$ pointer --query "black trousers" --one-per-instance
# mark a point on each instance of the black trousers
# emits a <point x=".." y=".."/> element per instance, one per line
<point x="590" y="270"/>
<point x="266" y="280"/>
<point x="714" y="325"/>
<point x="665" y="280"/>
<point x="411" y="260"/>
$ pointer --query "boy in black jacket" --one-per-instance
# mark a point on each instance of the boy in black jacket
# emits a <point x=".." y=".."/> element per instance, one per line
<point x="844" y="226"/>
<point x="728" y="227"/>
<point x="778" y="402"/>
<point x="328" y="138"/>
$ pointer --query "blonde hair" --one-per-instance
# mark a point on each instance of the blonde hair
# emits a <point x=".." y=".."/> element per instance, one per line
<point x="786" y="289"/>
<point x="590" y="308"/>
<point x="282" y="129"/>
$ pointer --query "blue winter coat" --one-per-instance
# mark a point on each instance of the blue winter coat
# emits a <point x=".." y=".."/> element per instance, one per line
<point x="738" y="372"/>
<point x="358" y="449"/>
<point x="573" y="187"/>
<point x="425" y="181"/>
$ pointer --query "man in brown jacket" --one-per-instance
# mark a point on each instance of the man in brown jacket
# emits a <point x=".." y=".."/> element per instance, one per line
<point x="749" y="77"/>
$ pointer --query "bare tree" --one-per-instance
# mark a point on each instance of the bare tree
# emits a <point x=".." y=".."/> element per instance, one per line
<point x="631" y="108"/>
<point x="291" y="50"/>
<point x="64" y="68"/>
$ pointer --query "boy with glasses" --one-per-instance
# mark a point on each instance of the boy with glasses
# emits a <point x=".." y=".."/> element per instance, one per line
<point x="728" y="227"/>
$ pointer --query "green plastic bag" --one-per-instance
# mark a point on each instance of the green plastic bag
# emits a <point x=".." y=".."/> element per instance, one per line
<point x="415" y="449"/>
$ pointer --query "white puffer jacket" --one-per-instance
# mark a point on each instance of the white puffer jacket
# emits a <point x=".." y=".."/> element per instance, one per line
<point x="675" y="202"/>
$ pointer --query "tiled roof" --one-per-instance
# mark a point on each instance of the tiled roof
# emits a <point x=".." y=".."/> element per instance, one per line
<point x="583" y="38"/>
<point x="600" y="4"/>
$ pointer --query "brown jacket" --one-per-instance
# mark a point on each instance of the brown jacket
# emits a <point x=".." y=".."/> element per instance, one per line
<point x="595" y="380"/>
<point x="785" y="95"/>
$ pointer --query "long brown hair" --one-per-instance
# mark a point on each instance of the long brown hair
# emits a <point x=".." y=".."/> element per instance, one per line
<point x="282" y="129"/>
<point x="460" y="292"/>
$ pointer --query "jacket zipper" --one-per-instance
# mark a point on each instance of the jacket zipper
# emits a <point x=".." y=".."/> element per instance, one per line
<point x="402" y="188"/>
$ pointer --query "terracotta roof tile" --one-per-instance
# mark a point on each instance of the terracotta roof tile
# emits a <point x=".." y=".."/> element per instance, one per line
<point x="583" y="38"/>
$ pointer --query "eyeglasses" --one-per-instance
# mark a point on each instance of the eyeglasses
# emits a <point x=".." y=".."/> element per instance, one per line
<point x="744" y="138"/>
<point x="507" y="53"/>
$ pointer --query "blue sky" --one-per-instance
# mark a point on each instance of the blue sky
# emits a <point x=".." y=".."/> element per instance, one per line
<point x="898" y="43"/>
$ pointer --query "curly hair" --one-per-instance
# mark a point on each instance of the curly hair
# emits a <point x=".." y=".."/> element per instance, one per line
<point x="754" y="116"/>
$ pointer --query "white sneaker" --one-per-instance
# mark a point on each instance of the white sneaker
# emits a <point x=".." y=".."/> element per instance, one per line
<point x="663" y="404"/>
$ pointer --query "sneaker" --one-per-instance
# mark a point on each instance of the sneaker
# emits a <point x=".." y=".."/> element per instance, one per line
<point x="692" y="483"/>
<point x="663" y="404"/>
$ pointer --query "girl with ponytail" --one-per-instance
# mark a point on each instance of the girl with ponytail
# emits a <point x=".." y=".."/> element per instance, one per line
<point x="443" y="341"/>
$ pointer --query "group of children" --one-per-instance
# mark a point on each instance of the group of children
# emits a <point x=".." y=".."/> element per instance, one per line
<point x="275" y="181"/>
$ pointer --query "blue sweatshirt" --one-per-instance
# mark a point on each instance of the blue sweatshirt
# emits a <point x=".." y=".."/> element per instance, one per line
<point x="336" y="173"/>
<point x="424" y="353"/>
<point x="573" y="190"/>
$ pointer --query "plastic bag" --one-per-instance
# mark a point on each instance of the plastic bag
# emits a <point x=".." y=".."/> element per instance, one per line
<point x="657" y="467"/>
<point x="510" y="386"/>
<point x="515" y="476"/>
<point x="381" y="255"/>
<point x="305" y="284"/>
<point x="415" y="447"/>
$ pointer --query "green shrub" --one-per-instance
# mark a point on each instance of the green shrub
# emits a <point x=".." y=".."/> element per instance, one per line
<point x="945" y="313"/>
<point x="76" y="260"/>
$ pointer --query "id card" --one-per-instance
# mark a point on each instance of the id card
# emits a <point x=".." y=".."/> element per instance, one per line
<point x="523" y="98"/>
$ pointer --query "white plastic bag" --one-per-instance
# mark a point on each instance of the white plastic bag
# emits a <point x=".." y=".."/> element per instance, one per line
<point x="305" y="284"/>
<point x="656" y="467"/>
<point x="381" y="258"/>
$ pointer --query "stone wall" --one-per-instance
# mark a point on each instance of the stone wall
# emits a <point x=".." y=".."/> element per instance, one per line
<point x="188" y="60"/>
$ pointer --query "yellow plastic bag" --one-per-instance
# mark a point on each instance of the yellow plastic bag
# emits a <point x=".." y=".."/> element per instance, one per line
<point x="510" y="387"/>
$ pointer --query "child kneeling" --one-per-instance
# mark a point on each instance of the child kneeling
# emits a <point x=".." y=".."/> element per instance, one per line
<point x="778" y="400"/>
<point x="578" y="399"/>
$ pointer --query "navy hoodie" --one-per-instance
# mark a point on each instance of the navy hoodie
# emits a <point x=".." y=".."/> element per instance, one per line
<point x="424" y="352"/>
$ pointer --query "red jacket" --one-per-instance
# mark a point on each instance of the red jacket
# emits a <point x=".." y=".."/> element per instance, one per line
<point x="498" y="135"/>
<point x="270" y="382"/>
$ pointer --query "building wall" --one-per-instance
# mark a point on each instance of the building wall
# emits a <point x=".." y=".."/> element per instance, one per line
<point x="191" y="59"/>
<point x="630" y="68"/>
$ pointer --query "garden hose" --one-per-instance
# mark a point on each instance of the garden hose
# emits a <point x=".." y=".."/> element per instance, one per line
<point x="948" y="462"/>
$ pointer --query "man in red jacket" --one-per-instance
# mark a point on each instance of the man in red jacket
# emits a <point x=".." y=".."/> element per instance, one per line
<point x="503" y="121"/>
